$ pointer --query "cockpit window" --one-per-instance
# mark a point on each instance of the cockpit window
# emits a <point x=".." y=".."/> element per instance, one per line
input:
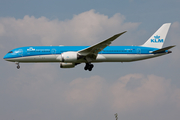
<point x="10" y="52"/>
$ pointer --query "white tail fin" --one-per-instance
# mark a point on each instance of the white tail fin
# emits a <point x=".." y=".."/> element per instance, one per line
<point x="158" y="38"/>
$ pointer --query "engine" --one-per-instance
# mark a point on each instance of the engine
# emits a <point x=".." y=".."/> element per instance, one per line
<point x="67" y="65"/>
<point x="68" y="57"/>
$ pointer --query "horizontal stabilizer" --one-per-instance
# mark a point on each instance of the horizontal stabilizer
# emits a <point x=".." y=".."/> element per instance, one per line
<point x="163" y="49"/>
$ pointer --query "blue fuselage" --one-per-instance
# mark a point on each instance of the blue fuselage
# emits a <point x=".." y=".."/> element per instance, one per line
<point x="51" y="53"/>
<point x="57" y="50"/>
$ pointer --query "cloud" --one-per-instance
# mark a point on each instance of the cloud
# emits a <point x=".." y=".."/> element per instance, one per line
<point x="84" y="90"/>
<point x="83" y="29"/>
<point x="151" y="91"/>
<point x="130" y="93"/>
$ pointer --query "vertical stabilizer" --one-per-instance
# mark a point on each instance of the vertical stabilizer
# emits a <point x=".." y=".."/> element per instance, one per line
<point x="158" y="38"/>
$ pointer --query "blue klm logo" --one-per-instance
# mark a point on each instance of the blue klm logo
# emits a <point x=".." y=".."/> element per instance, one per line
<point x="31" y="49"/>
<point x="156" y="39"/>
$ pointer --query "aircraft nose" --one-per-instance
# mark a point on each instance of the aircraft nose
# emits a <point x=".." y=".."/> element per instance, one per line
<point x="5" y="57"/>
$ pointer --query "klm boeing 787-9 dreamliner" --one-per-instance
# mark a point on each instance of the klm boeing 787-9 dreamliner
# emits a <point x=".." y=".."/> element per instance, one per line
<point x="70" y="56"/>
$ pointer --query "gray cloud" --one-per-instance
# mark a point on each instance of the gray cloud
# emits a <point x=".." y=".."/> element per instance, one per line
<point x="83" y="95"/>
<point x="83" y="29"/>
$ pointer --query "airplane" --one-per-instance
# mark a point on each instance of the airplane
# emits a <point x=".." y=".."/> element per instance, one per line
<point x="70" y="56"/>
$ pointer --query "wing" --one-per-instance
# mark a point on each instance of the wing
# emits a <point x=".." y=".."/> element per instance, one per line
<point x="91" y="52"/>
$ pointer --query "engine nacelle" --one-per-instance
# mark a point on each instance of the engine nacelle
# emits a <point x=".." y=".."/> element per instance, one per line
<point x="67" y="65"/>
<point x="68" y="57"/>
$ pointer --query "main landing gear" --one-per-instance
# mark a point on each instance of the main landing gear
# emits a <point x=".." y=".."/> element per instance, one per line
<point x="88" y="66"/>
<point x="18" y="66"/>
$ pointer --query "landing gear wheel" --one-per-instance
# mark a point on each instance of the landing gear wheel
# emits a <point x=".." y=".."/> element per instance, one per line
<point x="88" y="66"/>
<point x="91" y="67"/>
<point x="85" y="68"/>
<point x="18" y="67"/>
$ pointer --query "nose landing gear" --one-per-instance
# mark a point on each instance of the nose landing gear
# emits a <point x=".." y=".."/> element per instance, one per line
<point x="18" y="66"/>
<point x="88" y="66"/>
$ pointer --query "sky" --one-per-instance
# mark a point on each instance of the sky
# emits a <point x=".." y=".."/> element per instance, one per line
<point x="148" y="89"/>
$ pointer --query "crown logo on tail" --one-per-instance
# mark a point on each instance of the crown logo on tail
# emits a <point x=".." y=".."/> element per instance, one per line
<point x="156" y="37"/>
